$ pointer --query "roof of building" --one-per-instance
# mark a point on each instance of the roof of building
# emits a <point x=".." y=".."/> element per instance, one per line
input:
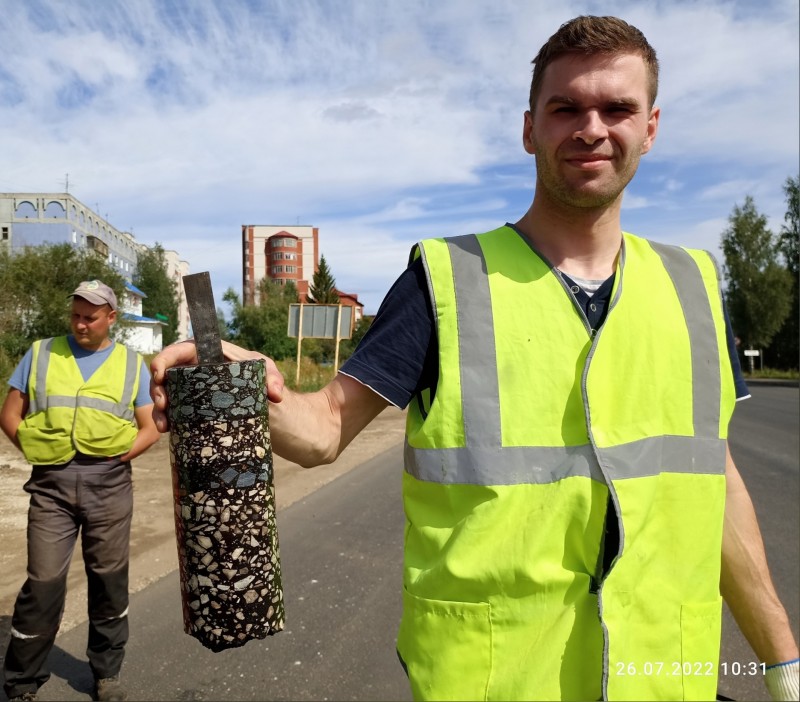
<point x="142" y="320"/>
<point x="132" y="288"/>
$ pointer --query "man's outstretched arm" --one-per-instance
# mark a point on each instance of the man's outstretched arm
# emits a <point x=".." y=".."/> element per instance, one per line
<point x="306" y="428"/>
<point x="746" y="584"/>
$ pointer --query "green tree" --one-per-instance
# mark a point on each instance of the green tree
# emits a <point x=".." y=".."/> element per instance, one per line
<point x="34" y="285"/>
<point x="349" y="345"/>
<point x="322" y="291"/>
<point x="263" y="327"/>
<point x="153" y="279"/>
<point x="785" y="349"/>
<point x="758" y="285"/>
<point x="222" y="324"/>
<point x="323" y="285"/>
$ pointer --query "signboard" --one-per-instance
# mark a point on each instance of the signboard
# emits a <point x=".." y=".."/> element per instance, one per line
<point x="319" y="321"/>
<point x="751" y="352"/>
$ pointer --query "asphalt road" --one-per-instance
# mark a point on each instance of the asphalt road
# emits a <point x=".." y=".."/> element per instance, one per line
<point x="341" y="551"/>
<point x="341" y="560"/>
<point x="765" y="444"/>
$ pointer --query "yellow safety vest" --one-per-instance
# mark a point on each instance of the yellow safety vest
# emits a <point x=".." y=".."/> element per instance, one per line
<point x="537" y="424"/>
<point x="67" y="414"/>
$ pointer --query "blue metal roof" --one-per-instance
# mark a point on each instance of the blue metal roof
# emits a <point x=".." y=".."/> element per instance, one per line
<point x="145" y="320"/>
<point x="134" y="289"/>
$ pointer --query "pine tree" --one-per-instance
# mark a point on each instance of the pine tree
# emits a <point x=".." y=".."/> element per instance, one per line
<point x="322" y="290"/>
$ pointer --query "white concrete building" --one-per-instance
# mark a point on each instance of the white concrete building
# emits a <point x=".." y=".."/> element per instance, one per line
<point x="33" y="219"/>
<point x="176" y="270"/>
<point x="143" y="334"/>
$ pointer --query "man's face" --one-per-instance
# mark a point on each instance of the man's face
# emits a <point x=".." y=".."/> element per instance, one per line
<point x="591" y="126"/>
<point x="91" y="323"/>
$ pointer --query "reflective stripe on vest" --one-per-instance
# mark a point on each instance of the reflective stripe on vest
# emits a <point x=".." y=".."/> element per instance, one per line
<point x="69" y="414"/>
<point x="468" y="470"/>
<point x="42" y="402"/>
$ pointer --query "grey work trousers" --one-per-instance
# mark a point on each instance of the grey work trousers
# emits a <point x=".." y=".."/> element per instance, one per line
<point x="93" y="497"/>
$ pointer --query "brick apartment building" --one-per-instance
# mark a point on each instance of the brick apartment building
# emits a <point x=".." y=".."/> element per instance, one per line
<point x="284" y="253"/>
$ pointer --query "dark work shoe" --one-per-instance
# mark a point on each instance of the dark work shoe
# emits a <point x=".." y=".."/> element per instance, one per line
<point x="110" y="690"/>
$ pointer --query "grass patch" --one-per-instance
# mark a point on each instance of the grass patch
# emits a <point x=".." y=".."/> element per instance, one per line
<point x="312" y="376"/>
<point x="772" y="374"/>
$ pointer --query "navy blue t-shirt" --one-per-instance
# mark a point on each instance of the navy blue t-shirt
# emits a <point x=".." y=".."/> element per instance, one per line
<point x="399" y="355"/>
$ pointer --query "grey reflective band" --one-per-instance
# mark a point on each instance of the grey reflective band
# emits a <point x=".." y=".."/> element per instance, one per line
<point x="131" y="371"/>
<point x="115" y="408"/>
<point x="477" y="353"/>
<point x="41" y="401"/>
<point x="40" y="389"/>
<point x="542" y="465"/>
<point x="514" y="465"/>
<point x="706" y="381"/>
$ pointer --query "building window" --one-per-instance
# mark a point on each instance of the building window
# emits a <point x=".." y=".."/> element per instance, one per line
<point x="290" y="269"/>
<point x="277" y="269"/>
<point x="55" y="210"/>
<point x="5" y="233"/>
<point x="74" y="237"/>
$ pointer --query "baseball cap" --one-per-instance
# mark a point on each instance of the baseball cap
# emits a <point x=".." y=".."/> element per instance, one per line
<point x="96" y="292"/>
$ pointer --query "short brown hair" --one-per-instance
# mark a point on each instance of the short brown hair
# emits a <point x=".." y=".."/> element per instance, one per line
<point x="590" y="35"/>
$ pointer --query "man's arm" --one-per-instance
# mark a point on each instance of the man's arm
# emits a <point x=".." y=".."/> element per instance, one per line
<point x="306" y="428"/>
<point x="314" y="428"/>
<point x="148" y="434"/>
<point x="13" y="412"/>
<point x="746" y="584"/>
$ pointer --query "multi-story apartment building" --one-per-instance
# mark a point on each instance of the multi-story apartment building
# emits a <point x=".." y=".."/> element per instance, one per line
<point x="281" y="253"/>
<point x="32" y="219"/>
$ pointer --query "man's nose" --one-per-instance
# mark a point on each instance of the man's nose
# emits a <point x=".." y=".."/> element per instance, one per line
<point x="591" y="128"/>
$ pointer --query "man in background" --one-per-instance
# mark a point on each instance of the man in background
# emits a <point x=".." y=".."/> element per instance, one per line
<point x="79" y="409"/>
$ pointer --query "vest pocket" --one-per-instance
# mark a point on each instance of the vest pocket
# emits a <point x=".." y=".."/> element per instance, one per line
<point x="446" y="648"/>
<point x="701" y="628"/>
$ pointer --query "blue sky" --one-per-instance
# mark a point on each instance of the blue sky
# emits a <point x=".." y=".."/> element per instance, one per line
<point x="381" y="123"/>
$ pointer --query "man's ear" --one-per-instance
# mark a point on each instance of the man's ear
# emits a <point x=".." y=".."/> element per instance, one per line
<point x="527" y="133"/>
<point x="112" y="317"/>
<point x="652" y="130"/>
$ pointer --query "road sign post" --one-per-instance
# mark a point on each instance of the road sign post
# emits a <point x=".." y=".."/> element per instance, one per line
<point x="750" y="354"/>
<point x="310" y="321"/>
